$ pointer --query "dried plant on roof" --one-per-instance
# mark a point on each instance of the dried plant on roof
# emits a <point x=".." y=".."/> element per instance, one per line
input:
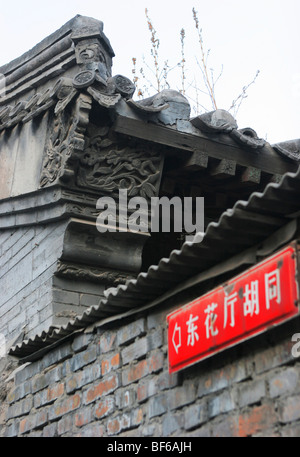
<point x="155" y="76"/>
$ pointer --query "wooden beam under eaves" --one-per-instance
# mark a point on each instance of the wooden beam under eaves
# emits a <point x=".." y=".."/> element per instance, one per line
<point x="219" y="147"/>
<point x="224" y="169"/>
<point x="251" y="175"/>
<point x="197" y="161"/>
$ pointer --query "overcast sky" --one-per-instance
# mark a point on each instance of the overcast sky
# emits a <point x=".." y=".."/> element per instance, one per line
<point x="243" y="36"/>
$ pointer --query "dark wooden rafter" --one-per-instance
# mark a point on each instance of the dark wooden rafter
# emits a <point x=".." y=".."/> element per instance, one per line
<point x="197" y="147"/>
<point x="224" y="169"/>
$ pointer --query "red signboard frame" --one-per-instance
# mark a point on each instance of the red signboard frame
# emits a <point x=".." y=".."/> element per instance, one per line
<point x="247" y="305"/>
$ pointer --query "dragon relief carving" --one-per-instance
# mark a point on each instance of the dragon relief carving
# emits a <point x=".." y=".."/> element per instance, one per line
<point x="108" y="167"/>
<point x="92" y="274"/>
<point x="56" y="149"/>
<point x="66" y="141"/>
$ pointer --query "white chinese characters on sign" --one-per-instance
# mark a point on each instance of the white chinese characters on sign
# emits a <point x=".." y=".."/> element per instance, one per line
<point x="251" y="303"/>
<point x="192" y="334"/>
<point x="272" y="285"/>
<point x="250" y="307"/>
<point x="211" y="320"/>
<point x="176" y="338"/>
<point x="229" y="303"/>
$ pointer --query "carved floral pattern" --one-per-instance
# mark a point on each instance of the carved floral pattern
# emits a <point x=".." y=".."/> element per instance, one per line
<point x="66" y="141"/>
<point x="55" y="150"/>
<point x="93" y="274"/>
<point x="110" y="167"/>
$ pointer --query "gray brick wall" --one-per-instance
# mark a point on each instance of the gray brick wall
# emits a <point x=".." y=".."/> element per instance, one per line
<point x="114" y="381"/>
<point x="31" y="295"/>
<point x="27" y="262"/>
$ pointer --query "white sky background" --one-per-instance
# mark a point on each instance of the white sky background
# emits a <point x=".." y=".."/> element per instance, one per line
<point x="243" y="36"/>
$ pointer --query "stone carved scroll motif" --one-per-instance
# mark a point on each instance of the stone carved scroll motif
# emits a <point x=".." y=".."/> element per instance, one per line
<point x="108" y="167"/>
<point x="92" y="274"/>
<point x="56" y="149"/>
<point x="66" y="141"/>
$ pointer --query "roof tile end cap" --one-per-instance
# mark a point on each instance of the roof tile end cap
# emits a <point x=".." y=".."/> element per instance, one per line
<point x="289" y="149"/>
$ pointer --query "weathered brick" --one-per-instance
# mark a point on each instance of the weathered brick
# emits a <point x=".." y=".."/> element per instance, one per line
<point x="202" y="432"/>
<point x="172" y="423"/>
<point x="259" y="418"/>
<point x="146" y="389"/>
<point x="251" y="392"/>
<point x="49" y="395"/>
<point x="220" y="404"/>
<point x="135" y="351"/>
<point x="41" y="417"/>
<point x="224" y="428"/>
<point x="110" y="363"/>
<point x="83" y="358"/>
<point x="274" y="357"/>
<point x="221" y="378"/>
<point x="156" y="361"/>
<point x="56" y="355"/>
<point x="118" y="424"/>
<point x="195" y="415"/>
<point x="27" y="424"/>
<point x="167" y="380"/>
<point x="20" y="408"/>
<point x="287" y="381"/>
<point x="155" y="339"/>
<point x="130" y="331"/>
<point x="19" y="392"/>
<point x="267" y="433"/>
<point x="65" y="424"/>
<point x="35" y="434"/>
<point x="55" y="374"/>
<point x="150" y="430"/>
<point x="125" y="398"/>
<point x="33" y="421"/>
<point x="12" y="430"/>
<point x="66" y="297"/>
<point x="93" y="430"/>
<point x="64" y="406"/>
<point x="137" y="371"/>
<point x="39" y="383"/>
<point x="43" y="380"/>
<point x="137" y="417"/>
<point x="154" y="320"/>
<point x="107" y="342"/>
<point x="291" y="431"/>
<point x="82" y="341"/>
<point x="50" y="431"/>
<point x="26" y="372"/>
<point x="84" y="416"/>
<point x="90" y="299"/>
<point x="289" y="409"/>
<point x="81" y="378"/>
<point x="157" y="405"/>
<point x="181" y="396"/>
<point x="104" y="387"/>
<point x="104" y="407"/>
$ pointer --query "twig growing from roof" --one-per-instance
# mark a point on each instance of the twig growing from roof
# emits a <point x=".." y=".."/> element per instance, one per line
<point x="208" y="79"/>
<point x="182" y="62"/>
<point x="136" y="78"/>
<point x="154" y="50"/>
<point x="156" y="76"/>
<point x="236" y="104"/>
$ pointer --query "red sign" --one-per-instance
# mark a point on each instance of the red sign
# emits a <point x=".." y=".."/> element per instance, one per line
<point x="265" y="295"/>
